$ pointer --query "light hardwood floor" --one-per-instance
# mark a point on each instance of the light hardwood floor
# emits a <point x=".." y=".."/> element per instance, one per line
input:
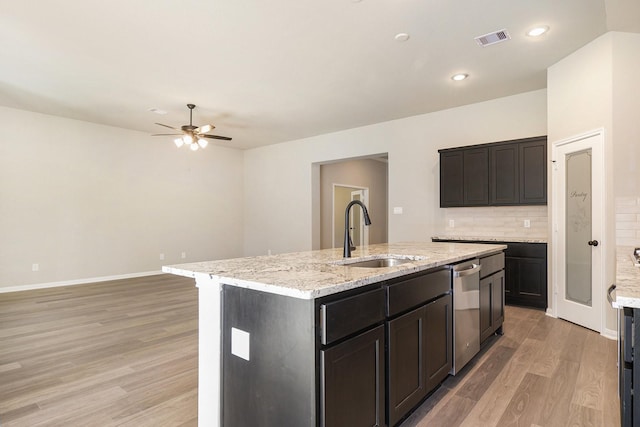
<point x="121" y="353"/>
<point x="124" y="353"/>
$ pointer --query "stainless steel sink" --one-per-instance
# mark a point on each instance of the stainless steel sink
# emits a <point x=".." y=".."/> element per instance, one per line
<point x="377" y="262"/>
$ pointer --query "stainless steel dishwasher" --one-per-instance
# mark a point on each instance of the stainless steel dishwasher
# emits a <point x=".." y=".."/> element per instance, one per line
<point x="466" y="313"/>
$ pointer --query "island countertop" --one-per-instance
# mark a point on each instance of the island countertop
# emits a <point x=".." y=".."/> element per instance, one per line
<point x="627" y="279"/>
<point x="314" y="274"/>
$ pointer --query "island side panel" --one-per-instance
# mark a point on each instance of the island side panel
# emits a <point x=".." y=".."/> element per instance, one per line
<point x="277" y="385"/>
<point x="209" y="350"/>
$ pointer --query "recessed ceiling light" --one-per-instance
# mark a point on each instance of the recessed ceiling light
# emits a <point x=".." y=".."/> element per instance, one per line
<point x="459" y="77"/>
<point x="537" y="31"/>
<point x="158" y="111"/>
<point x="402" y="37"/>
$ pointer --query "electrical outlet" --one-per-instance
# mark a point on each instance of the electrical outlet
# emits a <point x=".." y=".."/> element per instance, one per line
<point x="183" y="255"/>
<point x="527" y="223"/>
<point x="35" y="267"/>
<point x="161" y="257"/>
<point x="452" y="223"/>
<point x="397" y="210"/>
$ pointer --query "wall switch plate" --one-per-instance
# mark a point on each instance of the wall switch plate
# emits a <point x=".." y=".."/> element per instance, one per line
<point x="35" y="267"/>
<point x="397" y="210"/>
<point x="183" y="255"/>
<point x="527" y="223"/>
<point x="161" y="257"/>
<point x="452" y="223"/>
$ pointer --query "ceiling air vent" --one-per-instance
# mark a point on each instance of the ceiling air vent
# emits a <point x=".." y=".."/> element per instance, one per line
<point x="493" y="38"/>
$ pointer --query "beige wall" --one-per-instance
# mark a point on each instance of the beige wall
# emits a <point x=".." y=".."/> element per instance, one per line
<point x="283" y="220"/>
<point x="368" y="173"/>
<point x="88" y="201"/>
<point x="595" y="88"/>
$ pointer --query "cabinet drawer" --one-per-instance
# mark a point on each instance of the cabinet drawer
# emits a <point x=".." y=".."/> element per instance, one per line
<point x="352" y="314"/>
<point x="412" y="292"/>
<point x="491" y="264"/>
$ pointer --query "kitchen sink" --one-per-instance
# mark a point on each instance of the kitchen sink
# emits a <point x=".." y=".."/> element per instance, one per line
<point x="382" y="262"/>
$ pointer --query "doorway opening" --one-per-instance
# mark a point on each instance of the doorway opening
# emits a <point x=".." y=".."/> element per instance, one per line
<point x="335" y="185"/>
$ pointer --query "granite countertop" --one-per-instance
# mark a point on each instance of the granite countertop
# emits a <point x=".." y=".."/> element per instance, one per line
<point x="627" y="279"/>
<point x="313" y="274"/>
<point x="493" y="239"/>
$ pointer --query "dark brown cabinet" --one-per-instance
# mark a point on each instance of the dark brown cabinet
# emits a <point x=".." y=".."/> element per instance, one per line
<point x="497" y="174"/>
<point x="504" y="183"/>
<point x="476" y="176"/>
<point x="420" y="355"/>
<point x="439" y="335"/>
<point x="491" y="304"/>
<point x="533" y="171"/>
<point x="407" y="360"/>
<point x="451" y="178"/>
<point x="352" y="378"/>
<point x="526" y="281"/>
<point x="492" y="280"/>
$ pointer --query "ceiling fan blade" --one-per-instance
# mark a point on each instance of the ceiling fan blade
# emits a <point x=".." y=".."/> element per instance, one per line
<point x="167" y="126"/>
<point x="225" y="138"/>
<point x="167" y="134"/>
<point x="204" y="129"/>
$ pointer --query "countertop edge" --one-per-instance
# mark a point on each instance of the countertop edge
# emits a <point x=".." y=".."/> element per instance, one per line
<point x="379" y="275"/>
<point x="492" y="239"/>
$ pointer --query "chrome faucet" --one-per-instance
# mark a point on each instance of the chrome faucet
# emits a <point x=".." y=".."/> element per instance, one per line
<point x="348" y="245"/>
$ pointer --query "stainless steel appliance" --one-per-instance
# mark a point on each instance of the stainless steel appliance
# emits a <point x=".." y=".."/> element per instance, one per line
<point x="466" y="313"/>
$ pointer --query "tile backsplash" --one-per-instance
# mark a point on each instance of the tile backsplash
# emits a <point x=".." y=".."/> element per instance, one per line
<point x="627" y="221"/>
<point x="497" y="221"/>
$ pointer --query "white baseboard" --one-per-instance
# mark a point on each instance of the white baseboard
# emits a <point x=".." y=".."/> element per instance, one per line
<point x="610" y="333"/>
<point x="549" y="313"/>
<point x="76" y="282"/>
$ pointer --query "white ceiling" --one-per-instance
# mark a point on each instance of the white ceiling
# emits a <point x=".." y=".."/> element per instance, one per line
<point x="270" y="71"/>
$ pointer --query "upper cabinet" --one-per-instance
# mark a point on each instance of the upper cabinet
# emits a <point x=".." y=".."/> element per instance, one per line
<point x="499" y="174"/>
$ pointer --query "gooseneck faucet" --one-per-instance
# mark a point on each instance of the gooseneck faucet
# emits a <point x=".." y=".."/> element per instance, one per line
<point x="346" y="252"/>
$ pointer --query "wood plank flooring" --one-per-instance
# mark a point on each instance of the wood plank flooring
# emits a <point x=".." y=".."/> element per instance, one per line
<point x="124" y="353"/>
<point x="121" y="353"/>
<point x="542" y="372"/>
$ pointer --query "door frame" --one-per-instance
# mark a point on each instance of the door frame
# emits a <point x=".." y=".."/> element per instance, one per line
<point x="598" y="214"/>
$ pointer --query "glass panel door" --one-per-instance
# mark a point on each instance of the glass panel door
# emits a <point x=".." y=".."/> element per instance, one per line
<point x="578" y="228"/>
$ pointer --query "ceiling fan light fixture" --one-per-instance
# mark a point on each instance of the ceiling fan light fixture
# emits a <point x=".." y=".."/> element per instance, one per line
<point x="188" y="139"/>
<point x="179" y="142"/>
<point x="202" y="142"/>
<point x="205" y="128"/>
<point x="194" y="147"/>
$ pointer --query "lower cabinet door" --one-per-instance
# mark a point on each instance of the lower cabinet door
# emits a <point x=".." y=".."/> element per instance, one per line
<point x="352" y="381"/>
<point x="486" y="309"/>
<point x="491" y="304"/>
<point x="407" y="383"/>
<point x="439" y="340"/>
<point x="420" y="355"/>
<point x="497" y="300"/>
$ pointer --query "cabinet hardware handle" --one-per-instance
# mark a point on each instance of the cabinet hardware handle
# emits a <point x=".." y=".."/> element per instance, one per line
<point x="593" y="243"/>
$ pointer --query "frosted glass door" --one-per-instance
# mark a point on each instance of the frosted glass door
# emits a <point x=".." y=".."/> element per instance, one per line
<point x="578" y="228"/>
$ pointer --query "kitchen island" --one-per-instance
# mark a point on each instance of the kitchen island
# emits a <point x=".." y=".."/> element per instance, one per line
<point x="627" y="300"/>
<point x="281" y="296"/>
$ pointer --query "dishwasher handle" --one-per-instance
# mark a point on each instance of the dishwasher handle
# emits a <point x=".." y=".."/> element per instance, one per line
<point x="473" y="269"/>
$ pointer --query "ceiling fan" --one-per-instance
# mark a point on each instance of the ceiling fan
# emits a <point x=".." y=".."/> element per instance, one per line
<point x="192" y="136"/>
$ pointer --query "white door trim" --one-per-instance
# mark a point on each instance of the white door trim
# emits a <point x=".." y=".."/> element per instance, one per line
<point x="598" y="210"/>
